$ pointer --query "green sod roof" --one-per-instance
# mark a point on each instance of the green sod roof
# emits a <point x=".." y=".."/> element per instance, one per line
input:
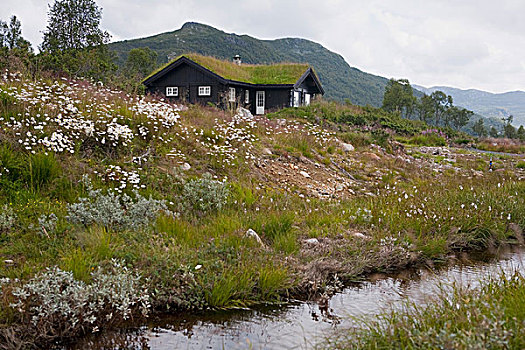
<point x="279" y="73"/>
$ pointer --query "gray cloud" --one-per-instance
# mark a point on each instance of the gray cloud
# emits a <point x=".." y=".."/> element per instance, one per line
<point x="467" y="44"/>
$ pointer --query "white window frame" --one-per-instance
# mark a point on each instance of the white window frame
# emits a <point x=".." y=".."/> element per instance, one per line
<point x="231" y="95"/>
<point x="247" y="96"/>
<point x="205" y="90"/>
<point x="172" y="91"/>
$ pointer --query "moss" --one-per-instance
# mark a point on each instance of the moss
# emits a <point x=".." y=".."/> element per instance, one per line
<point x="282" y="73"/>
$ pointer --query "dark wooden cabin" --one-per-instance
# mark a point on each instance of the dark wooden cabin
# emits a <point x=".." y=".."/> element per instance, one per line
<point x="259" y="88"/>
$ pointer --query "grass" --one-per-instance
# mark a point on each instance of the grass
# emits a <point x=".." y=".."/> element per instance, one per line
<point x="408" y="213"/>
<point x="490" y="317"/>
<point x="283" y="73"/>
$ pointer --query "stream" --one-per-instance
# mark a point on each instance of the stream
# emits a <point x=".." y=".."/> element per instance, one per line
<point x="301" y="325"/>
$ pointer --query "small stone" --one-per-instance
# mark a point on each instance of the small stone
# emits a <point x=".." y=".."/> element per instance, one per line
<point x="311" y="241"/>
<point x="359" y="235"/>
<point x="185" y="167"/>
<point x="347" y="147"/>
<point x="9" y="262"/>
<point x="371" y="155"/>
<point x="305" y="174"/>
<point x="251" y="233"/>
<point x="267" y="151"/>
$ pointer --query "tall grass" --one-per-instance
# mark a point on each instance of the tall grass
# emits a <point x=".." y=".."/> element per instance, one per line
<point x="489" y="318"/>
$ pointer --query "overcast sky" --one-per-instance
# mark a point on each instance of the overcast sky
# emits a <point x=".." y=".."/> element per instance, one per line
<point x="461" y="43"/>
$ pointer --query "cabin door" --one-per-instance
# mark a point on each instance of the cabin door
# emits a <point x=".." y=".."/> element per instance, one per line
<point x="259" y="104"/>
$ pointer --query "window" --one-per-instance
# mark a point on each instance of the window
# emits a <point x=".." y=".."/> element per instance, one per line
<point x="232" y="95"/>
<point x="247" y="96"/>
<point x="204" y="90"/>
<point x="172" y="91"/>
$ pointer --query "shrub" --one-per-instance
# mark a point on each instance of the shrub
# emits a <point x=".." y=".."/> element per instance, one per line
<point x="47" y="223"/>
<point x="520" y="164"/>
<point x="58" y="305"/>
<point x="204" y="195"/>
<point x="118" y="211"/>
<point x="7" y="218"/>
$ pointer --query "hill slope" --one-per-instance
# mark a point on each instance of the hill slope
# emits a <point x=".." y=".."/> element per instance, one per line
<point x="486" y="103"/>
<point x="339" y="79"/>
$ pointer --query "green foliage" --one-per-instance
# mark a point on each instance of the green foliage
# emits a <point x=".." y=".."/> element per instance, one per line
<point x="339" y="80"/>
<point x="204" y="195"/>
<point x="141" y="61"/>
<point x="230" y="289"/>
<point x="490" y="316"/>
<point x="479" y="128"/>
<point x="283" y="73"/>
<point x="493" y="132"/>
<point x="41" y="170"/>
<point x="520" y="164"/>
<point x="399" y="97"/>
<point x="73" y="25"/>
<point x="73" y="42"/>
<point x="521" y="133"/>
<point x="11" y="35"/>
<point x="114" y="210"/>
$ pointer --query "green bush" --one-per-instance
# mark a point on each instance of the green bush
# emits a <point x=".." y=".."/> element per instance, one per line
<point x="204" y="195"/>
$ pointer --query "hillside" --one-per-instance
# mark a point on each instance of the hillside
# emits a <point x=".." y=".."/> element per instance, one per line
<point x="486" y="103"/>
<point x="116" y="206"/>
<point x="339" y="79"/>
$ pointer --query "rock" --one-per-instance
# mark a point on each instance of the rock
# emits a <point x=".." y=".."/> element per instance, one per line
<point x="311" y="241"/>
<point x="185" y="167"/>
<point x="305" y="174"/>
<point x="371" y="155"/>
<point x="347" y="147"/>
<point x="251" y="233"/>
<point x="358" y="235"/>
<point x="266" y="151"/>
<point x="9" y="262"/>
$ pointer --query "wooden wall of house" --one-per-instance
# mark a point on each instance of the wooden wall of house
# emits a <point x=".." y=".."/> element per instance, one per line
<point x="277" y="98"/>
<point x="188" y="79"/>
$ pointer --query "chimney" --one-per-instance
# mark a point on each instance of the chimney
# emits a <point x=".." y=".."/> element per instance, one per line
<point x="237" y="60"/>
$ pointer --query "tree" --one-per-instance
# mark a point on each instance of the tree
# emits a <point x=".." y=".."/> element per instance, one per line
<point x="141" y="61"/>
<point x="399" y="97"/>
<point x="479" y="128"/>
<point x="15" y="51"/>
<point x="493" y="132"/>
<point x="441" y="104"/>
<point x="73" y="42"/>
<point x="458" y="116"/>
<point x="425" y="109"/>
<point x="73" y="25"/>
<point x="521" y="133"/>
<point x="509" y="131"/>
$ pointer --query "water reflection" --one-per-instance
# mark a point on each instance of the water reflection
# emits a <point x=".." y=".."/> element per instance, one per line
<point x="299" y="326"/>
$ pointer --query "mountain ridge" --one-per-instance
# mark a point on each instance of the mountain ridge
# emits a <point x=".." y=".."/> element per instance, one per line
<point x="488" y="104"/>
<point x="340" y="80"/>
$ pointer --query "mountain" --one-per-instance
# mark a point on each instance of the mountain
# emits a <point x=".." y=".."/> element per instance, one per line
<point x="486" y="103"/>
<point x="339" y="80"/>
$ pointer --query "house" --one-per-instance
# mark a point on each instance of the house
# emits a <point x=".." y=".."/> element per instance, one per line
<point x="202" y="79"/>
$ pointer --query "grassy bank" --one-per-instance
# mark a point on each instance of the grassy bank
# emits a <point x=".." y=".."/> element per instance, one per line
<point x="491" y="317"/>
<point x="99" y="189"/>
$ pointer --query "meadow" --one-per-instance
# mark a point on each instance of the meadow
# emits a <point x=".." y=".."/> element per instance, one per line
<point x="117" y="206"/>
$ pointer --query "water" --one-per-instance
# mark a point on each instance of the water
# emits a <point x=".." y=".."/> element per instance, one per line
<point x="301" y="325"/>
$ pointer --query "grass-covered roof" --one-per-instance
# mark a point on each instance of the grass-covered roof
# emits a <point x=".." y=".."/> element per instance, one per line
<point x="279" y="73"/>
